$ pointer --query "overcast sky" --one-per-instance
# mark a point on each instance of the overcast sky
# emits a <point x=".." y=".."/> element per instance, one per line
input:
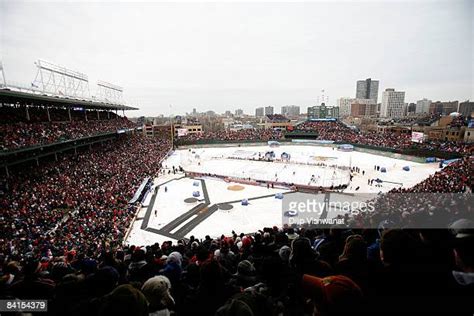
<point x="242" y="55"/>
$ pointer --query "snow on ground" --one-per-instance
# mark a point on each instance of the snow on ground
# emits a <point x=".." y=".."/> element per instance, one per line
<point x="265" y="211"/>
<point x="170" y="204"/>
<point x="259" y="213"/>
<point x="219" y="192"/>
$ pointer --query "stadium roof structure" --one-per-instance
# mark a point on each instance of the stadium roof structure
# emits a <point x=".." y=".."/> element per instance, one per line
<point x="13" y="95"/>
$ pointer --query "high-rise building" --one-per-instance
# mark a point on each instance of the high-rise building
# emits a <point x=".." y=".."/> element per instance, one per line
<point x="259" y="112"/>
<point x="239" y="112"/>
<point x="444" y="108"/>
<point x="290" y="110"/>
<point x="393" y="103"/>
<point x="344" y="105"/>
<point x="466" y="108"/>
<point x="269" y="110"/>
<point x="411" y="108"/>
<point x="363" y="107"/>
<point x="367" y="89"/>
<point x="322" y="112"/>
<point x="423" y="106"/>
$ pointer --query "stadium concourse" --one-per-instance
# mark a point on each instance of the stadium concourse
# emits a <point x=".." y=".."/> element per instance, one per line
<point x="65" y="216"/>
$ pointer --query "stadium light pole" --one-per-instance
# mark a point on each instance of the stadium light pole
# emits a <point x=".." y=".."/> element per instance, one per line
<point x="60" y="80"/>
<point x="3" y="75"/>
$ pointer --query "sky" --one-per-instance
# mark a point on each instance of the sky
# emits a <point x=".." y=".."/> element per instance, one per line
<point x="173" y="57"/>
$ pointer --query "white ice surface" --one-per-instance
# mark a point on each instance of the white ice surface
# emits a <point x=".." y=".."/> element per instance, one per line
<point x="266" y="211"/>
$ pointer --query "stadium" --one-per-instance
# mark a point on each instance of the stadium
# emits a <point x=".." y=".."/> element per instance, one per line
<point x="83" y="185"/>
<point x="104" y="213"/>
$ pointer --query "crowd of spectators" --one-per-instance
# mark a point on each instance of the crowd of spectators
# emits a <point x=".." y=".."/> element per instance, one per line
<point x="275" y="271"/>
<point x="458" y="121"/>
<point x="435" y="202"/>
<point x="63" y="224"/>
<point x="78" y="202"/>
<point x="416" y="119"/>
<point x="18" y="132"/>
<point x="228" y="135"/>
<point x="337" y="131"/>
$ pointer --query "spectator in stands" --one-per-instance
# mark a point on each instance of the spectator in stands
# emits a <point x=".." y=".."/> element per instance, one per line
<point x="464" y="273"/>
<point x="332" y="295"/>
<point x="246" y="275"/>
<point x="211" y="292"/>
<point x="124" y="300"/>
<point x="304" y="260"/>
<point x="173" y="267"/>
<point x="79" y="261"/>
<point x="32" y="285"/>
<point x="157" y="292"/>
<point x="17" y="132"/>
<point x="353" y="261"/>
<point x="139" y="270"/>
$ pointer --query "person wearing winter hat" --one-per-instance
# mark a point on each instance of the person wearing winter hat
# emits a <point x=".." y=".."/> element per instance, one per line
<point x="157" y="292"/>
<point x="245" y="276"/>
<point x="332" y="295"/>
<point x="284" y="254"/>
<point x="124" y="300"/>
<point x="175" y="257"/>
<point x="246" y="242"/>
<point x="246" y="303"/>
<point x="173" y="269"/>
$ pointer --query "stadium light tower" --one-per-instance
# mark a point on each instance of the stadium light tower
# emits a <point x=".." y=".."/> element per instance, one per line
<point x="3" y="83"/>
<point x="60" y="80"/>
<point x="109" y="92"/>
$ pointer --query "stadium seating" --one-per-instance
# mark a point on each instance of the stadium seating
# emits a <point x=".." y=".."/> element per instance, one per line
<point x="63" y="224"/>
<point x="336" y="131"/>
<point x="18" y="132"/>
<point x="227" y="135"/>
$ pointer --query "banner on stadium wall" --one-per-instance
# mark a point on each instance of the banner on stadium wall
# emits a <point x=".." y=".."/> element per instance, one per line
<point x="417" y="137"/>
<point x="445" y="163"/>
<point x="345" y="147"/>
<point x="182" y="132"/>
<point x="322" y="120"/>
<point x="139" y="192"/>
<point x="312" y="141"/>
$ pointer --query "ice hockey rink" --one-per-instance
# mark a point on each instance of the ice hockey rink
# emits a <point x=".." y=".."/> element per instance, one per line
<point x="207" y="200"/>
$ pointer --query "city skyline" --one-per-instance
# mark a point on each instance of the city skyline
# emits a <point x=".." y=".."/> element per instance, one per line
<point x="171" y="58"/>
